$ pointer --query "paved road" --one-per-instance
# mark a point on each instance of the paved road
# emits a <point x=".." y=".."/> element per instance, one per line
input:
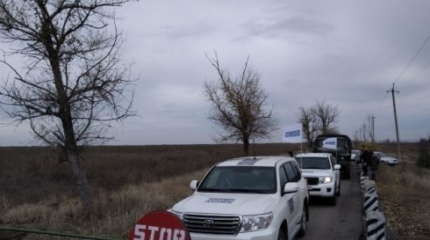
<point x="342" y="221"/>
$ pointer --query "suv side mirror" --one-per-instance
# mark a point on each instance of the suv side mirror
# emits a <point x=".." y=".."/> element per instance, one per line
<point x="194" y="184"/>
<point x="337" y="167"/>
<point x="290" y="187"/>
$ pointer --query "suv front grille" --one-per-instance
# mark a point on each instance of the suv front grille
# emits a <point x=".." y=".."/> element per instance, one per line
<point x="212" y="224"/>
<point x="313" y="181"/>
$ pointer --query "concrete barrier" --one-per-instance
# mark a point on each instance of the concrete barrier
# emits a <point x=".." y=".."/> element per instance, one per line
<point x="370" y="202"/>
<point x="369" y="186"/>
<point x="375" y="225"/>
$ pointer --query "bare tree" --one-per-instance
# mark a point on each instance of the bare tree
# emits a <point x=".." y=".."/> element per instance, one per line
<point x="317" y="119"/>
<point x="73" y="84"/>
<point x="238" y="105"/>
<point x="327" y="116"/>
<point x="310" y="123"/>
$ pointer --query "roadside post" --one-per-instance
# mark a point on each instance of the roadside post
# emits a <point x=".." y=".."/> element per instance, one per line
<point x="159" y="225"/>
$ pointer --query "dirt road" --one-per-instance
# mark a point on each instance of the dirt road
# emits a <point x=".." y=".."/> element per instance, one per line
<point x="342" y="221"/>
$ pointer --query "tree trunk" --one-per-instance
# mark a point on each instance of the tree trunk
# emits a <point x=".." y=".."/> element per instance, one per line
<point x="81" y="180"/>
<point x="246" y="146"/>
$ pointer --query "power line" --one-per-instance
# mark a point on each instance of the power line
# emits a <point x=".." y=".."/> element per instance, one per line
<point x="422" y="70"/>
<point x="415" y="56"/>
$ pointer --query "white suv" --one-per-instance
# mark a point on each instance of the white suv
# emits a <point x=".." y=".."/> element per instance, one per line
<point x="322" y="174"/>
<point x="252" y="198"/>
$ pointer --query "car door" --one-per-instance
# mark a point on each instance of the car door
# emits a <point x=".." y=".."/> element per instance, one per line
<point x="287" y="200"/>
<point x="295" y="205"/>
<point x="303" y="185"/>
<point x="336" y="172"/>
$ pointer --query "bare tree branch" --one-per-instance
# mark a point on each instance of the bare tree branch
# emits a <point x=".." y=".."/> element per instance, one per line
<point x="238" y="105"/>
<point x="318" y="119"/>
<point x="327" y="116"/>
<point x="74" y="83"/>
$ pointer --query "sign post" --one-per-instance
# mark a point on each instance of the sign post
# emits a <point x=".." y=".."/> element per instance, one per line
<point x="159" y="225"/>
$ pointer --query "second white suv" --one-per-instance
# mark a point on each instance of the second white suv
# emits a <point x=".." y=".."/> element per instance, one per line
<point x="252" y="198"/>
<point x="322" y="174"/>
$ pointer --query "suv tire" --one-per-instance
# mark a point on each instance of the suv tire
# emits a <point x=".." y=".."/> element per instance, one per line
<point x="302" y="231"/>
<point x="281" y="235"/>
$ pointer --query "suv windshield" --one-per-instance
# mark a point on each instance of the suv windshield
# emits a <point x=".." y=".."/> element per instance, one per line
<point x="314" y="162"/>
<point x="240" y="179"/>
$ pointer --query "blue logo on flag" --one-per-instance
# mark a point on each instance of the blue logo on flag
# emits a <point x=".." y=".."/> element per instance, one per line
<point x="295" y="133"/>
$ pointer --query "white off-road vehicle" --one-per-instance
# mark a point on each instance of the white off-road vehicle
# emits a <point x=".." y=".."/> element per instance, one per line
<point x="322" y="174"/>
<point x="252" y="198"/>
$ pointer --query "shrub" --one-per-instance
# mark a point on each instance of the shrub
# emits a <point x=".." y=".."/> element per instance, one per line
<point x="424" y="154"/>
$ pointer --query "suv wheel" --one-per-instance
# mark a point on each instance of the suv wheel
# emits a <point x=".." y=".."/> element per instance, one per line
<point x="281" y="235"/>
<point x="338" y="191"/>
<point x="303" y="220"/>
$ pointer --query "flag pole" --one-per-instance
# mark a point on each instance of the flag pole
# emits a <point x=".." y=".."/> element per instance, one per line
<point x="301" y="143"/>
<point x="301" y="146"/>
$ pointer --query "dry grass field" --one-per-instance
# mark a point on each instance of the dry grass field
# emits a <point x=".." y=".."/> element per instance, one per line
<point x="404" y="193"/>
<point x="36" y="191"/>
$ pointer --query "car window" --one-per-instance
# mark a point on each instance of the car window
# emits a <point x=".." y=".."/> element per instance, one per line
<point x="314" y="162"/>
<point x="333" y="161"/>
<point x="240" y="179"/>
<point x="291" y="174"/>
<point x="283" y="179"/>
<point x="297" y="169"/>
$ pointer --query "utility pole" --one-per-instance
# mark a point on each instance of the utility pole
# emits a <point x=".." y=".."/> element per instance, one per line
<point x="393" y="90"/>
<point x="364" y="132"/>
<point x="359" y="134"/>
<point x="373" y="128"/>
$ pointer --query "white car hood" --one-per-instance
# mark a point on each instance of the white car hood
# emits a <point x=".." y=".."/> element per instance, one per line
<point x="316" y="172"/>
<point x="226" y="203"/>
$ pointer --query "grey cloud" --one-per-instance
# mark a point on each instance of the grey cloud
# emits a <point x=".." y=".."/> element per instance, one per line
<point x="346" y="52"/>
<point x="281" y="28"/>
<point x="177" y="31"/>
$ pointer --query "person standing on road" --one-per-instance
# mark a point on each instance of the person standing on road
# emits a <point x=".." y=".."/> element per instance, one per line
<point x="373" y="165"/>
<point x="364" y="159"/>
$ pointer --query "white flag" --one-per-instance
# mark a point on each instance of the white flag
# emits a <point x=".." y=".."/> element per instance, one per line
<point x="330" y="143"/>
<point x="293" y="134"/>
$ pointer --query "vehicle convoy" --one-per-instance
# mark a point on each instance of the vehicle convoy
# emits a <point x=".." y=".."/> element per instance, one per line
<point x="252" y="198"/>
<point x="340" y="146"/>
<point x="322" y="175"/>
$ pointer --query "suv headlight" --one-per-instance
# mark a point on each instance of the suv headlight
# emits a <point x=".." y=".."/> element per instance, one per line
<point x="178" y="214"/>
<point x="256" y="222"/>
<point x="326" y="179"/>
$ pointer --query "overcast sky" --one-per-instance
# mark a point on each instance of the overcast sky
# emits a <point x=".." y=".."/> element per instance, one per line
<point x="347" y="53"/>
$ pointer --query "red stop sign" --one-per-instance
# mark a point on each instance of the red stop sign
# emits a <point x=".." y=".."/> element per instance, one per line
<point x="159" y="225"/>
